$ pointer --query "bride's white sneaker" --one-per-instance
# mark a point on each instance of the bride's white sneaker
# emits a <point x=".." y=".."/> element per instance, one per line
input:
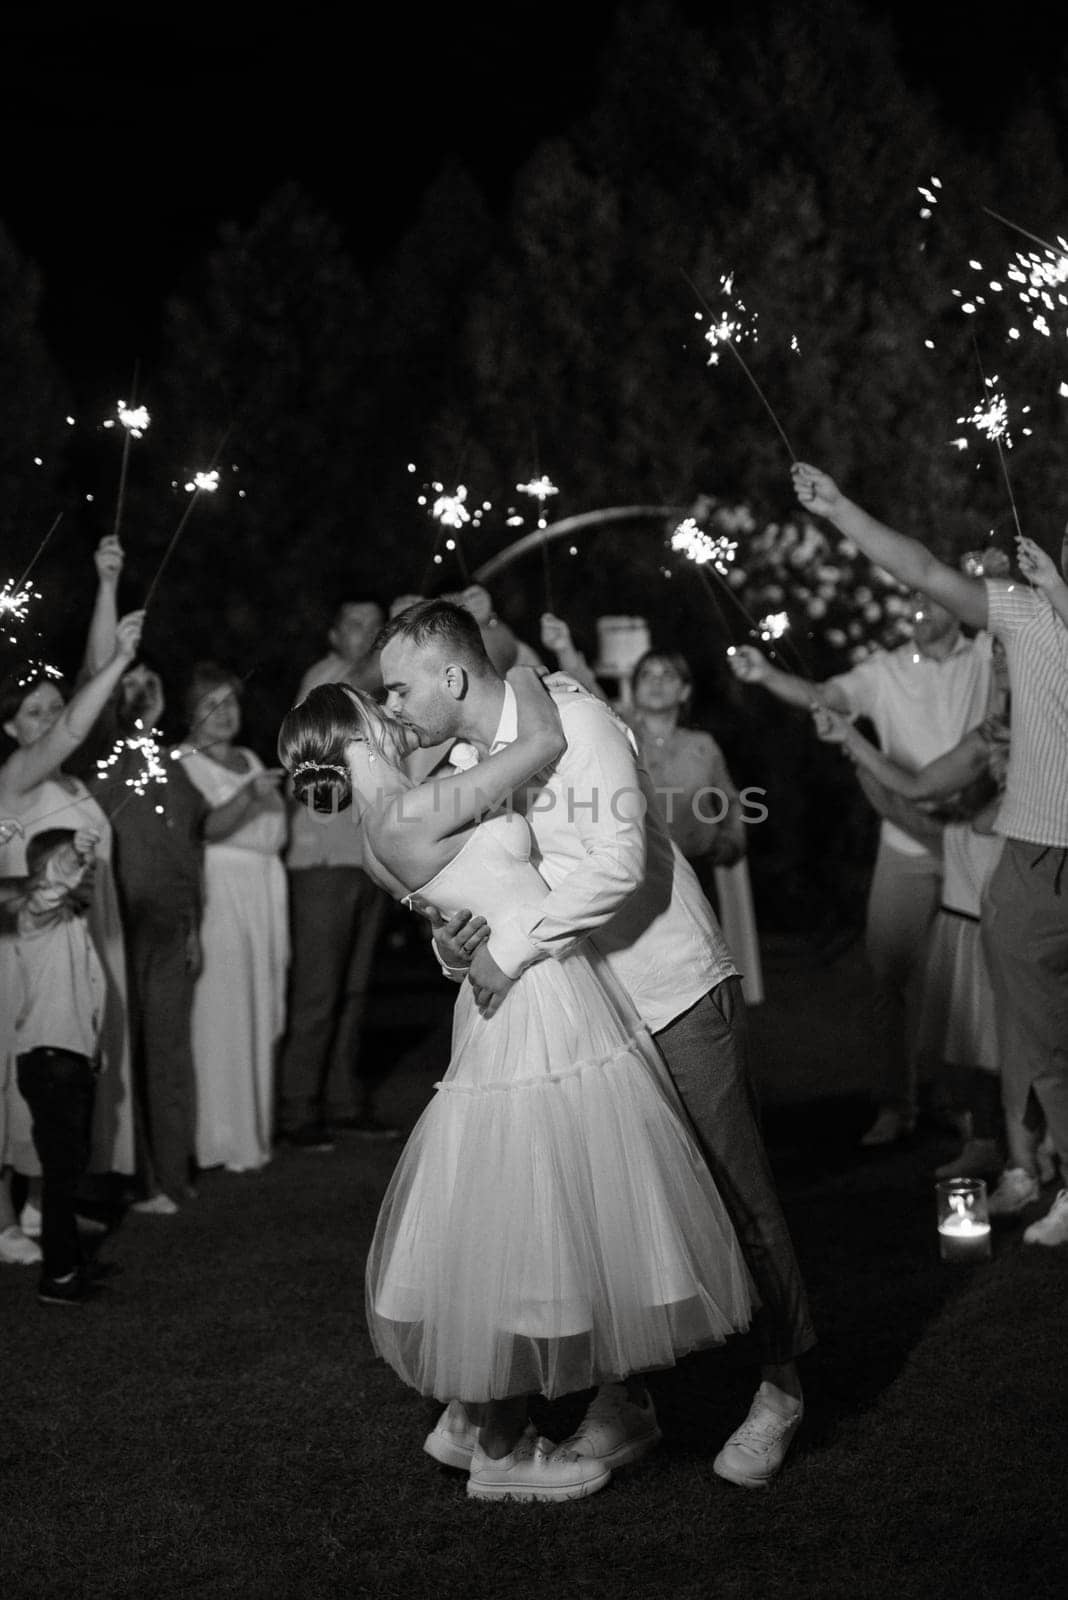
<point x="535" y="1470"/>
<point x="615" y="1430"/>
<point x="453" y="1438"/>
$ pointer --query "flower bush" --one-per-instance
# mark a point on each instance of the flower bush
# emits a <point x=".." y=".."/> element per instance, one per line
<point x="839" y="608"/>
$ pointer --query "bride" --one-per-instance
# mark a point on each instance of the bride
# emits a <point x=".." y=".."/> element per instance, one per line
<point x="550" y="1224"/>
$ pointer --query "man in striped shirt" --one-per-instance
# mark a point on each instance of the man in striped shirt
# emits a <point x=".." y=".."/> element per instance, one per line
<point x="1025" y="913"/>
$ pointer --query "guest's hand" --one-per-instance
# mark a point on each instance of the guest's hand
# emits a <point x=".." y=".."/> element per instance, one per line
<point x="476" y="599"/>
<point x="85" y="842"/>
<point x="108" y="557"/>
<point x="831" y="726"/>
<point x="816" y="490"/>
<point x="749" y="664"/>
<point x="489" y="983"/>
<point x="1037" y="567"/>
<point x="128" y="635"/>
<point x="555" y="634"/>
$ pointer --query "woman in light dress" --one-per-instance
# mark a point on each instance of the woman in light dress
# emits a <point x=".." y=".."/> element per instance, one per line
<point x="43" y="728"/>
<point x="239" y="1001"/>
<point x="550" y="1224"/>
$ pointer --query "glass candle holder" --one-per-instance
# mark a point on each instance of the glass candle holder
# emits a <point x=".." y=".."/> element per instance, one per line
<point x="963" y="1220"/>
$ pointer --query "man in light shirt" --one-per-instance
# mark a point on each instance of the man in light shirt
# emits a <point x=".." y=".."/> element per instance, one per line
<point x="921" y="698"/>
<point x="1024" y="923"/>
<point x="615" y="878"/>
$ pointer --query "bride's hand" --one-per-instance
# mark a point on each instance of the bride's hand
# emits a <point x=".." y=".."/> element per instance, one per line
<point x="538" y="718"/>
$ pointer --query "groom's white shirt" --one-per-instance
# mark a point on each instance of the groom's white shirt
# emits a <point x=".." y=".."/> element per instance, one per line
<point x="613" y="873"/>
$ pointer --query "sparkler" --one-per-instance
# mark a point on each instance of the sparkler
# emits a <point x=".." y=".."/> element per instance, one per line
<point x="201" y="483"/>
<point x="541" y="489"/>
<point x="452" y="511"/>
<point x="992" y="420"/>
<point x="134" y="421"/>
<point x="145" y="743"/>
<point x="727" y="329"/>
<point x="13" y="606"/>
<point x="717" y="553"/>
<point x="20" y="582"/>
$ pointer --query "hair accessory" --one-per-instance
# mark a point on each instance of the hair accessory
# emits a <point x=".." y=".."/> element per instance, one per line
<point x="319" y="766"/>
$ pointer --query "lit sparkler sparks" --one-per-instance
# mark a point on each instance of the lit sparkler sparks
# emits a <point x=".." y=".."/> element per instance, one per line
<point x="702" y="548"/>
<point x="145" y="744"/>
<point x="14" y="606"/>
<point x="203" y="482"/>
<point x="990" y="417"/>
<point x="539" y="489"/>
<point x="450" y="509"/>
<point x="928" y="196"/>
<point x="726" y="330"/>
<point x="774" y="625"/>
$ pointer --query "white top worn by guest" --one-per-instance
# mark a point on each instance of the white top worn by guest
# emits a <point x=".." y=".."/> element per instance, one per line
<point x="613" y="872"/>
<point x="920" y="706"/>
<point x="1035" y="806"/>
<point x="61" y="980"/>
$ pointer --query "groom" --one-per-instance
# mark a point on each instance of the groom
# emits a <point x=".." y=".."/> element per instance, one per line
<point x="615" y="878"/>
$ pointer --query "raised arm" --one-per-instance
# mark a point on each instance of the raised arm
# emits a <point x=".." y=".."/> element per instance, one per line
<point x="100" y="644"/>
<point x="909" y="560"/>
<point x="1041" y="570"/>
<point x="27" y="767"/>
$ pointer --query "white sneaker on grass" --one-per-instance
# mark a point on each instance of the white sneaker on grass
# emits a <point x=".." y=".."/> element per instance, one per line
<point x="16" y="1250"/>
<point x="615" y="1430"/>
<point x="535" y="1470"/>
<point x="1053" y="1227"/>
<point x="1016" y="1189"/>
<point x="754" y="1452"/>
<point x="453" y="1438"/>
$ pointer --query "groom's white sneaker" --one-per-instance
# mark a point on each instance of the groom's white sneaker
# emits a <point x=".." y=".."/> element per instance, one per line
<point x="535" y="1470"/>
<point x="453" y="1437"/>
<point x="754" y="1452"/>
<point x="615" y="1430"/>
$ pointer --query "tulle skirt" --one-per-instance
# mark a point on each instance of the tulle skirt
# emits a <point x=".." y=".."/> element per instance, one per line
<point x="550" y="1224"/>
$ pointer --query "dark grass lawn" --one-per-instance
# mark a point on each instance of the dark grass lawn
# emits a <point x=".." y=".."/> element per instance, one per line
<point x="215" y="1424"/>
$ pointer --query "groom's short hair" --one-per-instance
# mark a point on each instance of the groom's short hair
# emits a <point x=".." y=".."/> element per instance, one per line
<point x="440" y="622"/>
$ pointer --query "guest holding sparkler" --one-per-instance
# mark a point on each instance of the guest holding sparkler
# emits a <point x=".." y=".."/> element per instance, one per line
<point x="921" y="699"/>
<point x="239" y="999"/>
<point x="336" y="913"/>
<point x="957" y="1024"/>
<point x="556" y="636"/>
<point x="158" y="816"/>
<point x="1025" y="910"/>
<point x="43" y="730"/>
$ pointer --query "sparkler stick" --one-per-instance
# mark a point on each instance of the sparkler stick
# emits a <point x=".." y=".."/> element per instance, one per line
<point x="1034" y="238"/>
<point x="721" y="334"/>
<point x="15" y="587"/>
<point x="202" y="483"/>
<point x="135" y="420"/>
<point x="540" y="489"/>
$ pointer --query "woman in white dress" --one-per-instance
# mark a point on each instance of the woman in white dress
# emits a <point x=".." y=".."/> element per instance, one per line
<point x="239" y="1001"/>
<point x="550" y="1224"/>
<point x="43" y="729"/>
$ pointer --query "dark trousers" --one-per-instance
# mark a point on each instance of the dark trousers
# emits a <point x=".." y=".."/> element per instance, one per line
<point x="707" y="1055"/>
<point x="335" y="917"/>
<point x="58" y="1086"/>
<point x="161" y="1006"/>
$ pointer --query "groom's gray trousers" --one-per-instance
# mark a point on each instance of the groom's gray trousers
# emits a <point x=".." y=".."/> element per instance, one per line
<point x="707" y="1055"/>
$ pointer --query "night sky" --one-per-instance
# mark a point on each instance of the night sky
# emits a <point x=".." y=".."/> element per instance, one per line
<point x="127" y="142"/>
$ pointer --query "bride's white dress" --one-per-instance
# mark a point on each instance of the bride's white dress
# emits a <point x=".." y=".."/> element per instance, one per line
<point x="550" y="1224"/>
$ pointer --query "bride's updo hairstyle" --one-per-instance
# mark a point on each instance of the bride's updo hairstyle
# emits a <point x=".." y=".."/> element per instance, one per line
<point x="314" y="736"/>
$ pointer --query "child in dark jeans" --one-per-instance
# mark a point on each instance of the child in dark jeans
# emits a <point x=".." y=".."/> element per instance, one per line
<point x="57" y="1032"/>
